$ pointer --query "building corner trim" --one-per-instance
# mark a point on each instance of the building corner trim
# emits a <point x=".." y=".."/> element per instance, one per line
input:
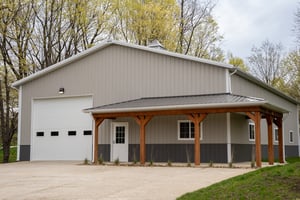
<point x="19" y="123"/>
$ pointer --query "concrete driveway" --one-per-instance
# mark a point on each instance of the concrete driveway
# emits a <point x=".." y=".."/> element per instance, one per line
<point x="69" y="180"/>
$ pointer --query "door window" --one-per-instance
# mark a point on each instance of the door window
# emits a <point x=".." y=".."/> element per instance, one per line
<point x="120" y="135"/>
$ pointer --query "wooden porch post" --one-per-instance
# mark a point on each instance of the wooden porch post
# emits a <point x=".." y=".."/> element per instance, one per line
<point x="98" y="121"/>
<point x="197" y="119"/>
<point x="269" y="119"/>
<point x="278" y="122"/>
<point x="142" y="121"/>
<point x="256" y="117"/>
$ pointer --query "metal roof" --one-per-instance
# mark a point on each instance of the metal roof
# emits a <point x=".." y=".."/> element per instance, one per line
<point x="223" y="100"/>
<point x="109" y="42"/>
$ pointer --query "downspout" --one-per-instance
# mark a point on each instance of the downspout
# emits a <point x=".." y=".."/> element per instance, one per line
<point x="228" y="80"/>
<point x="228" y="117"/>
<point x="228" y="131"/>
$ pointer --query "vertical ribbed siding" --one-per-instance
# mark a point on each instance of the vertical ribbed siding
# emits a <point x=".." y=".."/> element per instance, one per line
<point x="244" y="87"/>
<point x="119" y="73"/>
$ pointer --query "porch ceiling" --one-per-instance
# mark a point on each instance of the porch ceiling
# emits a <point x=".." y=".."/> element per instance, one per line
<point x="223" y="102"/>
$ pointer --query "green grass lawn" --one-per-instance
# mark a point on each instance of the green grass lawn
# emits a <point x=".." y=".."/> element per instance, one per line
<point x="13" y="155"/>
<point x="278" y="182"/>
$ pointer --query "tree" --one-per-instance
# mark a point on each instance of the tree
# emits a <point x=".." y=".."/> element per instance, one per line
<point x="65" y="28"/>
<point x="296" y="28"/>
<point x="198" y="31"/>
<point x="292" y="78"/>
<point x="237" y="62"/>
<point x="15" y="34"/>
<point x="141" y="22"/>
<point x="8" y="113"/>
<point x="266" y="62"/>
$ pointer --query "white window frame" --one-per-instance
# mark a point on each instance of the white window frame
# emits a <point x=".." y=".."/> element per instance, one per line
<point x="291" y="132"/>
<point x="276" y="139"/>
<point x="190" y="138"/>
<point x="251" y="124"/>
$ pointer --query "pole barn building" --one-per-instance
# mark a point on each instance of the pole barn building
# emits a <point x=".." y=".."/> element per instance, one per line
<point x="134" y="103"/>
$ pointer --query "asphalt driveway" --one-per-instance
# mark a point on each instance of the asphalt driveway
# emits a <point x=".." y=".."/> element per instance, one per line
<point x="69" y="180"/>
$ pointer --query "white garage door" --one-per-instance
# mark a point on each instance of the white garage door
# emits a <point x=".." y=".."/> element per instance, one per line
<point x="60" y="130"/>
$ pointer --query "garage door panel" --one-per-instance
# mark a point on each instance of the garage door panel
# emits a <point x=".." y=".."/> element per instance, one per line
<point x="62" y="115"/>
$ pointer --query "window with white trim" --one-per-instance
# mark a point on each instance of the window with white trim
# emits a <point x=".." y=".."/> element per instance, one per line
<point x="186" y="130"/>
<point x="251" y="130"/>
<point x="291" y="136"/>
<point x="276" y="134"/>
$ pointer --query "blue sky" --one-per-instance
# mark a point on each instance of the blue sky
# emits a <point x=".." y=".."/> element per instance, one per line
<point x="249" y="22"/>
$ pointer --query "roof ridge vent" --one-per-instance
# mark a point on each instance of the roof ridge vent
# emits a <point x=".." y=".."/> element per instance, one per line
<point x="155" y="44"/>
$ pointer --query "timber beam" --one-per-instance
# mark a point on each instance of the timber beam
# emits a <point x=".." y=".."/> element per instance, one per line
<point x="142" y="121"/>
<point x="98" y="121"/>
<point x="269" y="119"/>
<point x="197" y="118"/>
<point x="256" y="117"/>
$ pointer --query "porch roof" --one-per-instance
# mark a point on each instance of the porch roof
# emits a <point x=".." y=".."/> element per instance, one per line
<point x="204" y="101"/>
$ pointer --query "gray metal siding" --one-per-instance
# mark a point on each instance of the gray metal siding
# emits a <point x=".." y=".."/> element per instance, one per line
<point x="242" y="86"/>
<point x="164" y="130"/>
<point x="24" y="152"/>
<point x="240" y="130"/>
<point x="119" y="73"/>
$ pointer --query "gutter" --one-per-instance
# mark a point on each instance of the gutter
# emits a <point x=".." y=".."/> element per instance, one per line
<point x="174" y="107"/>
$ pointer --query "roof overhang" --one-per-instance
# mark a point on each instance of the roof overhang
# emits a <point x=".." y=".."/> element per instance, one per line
<point x="177" y="105"/>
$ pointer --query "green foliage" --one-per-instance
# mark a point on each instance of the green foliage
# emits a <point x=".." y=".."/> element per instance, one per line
<point x="169" y="163"/>
<point x="291" y="81"/>
<point x="13" y="155"/>
<point x="86" y="161"/>
<point x="100" y="160"/>
<point x="151" y="162"/>
<point x="278" y="182"/>
<point x="238" y="62"/>
<point x="141" y="22"/>
<point x="117" y="161"/>
<point x="293" y="159"/>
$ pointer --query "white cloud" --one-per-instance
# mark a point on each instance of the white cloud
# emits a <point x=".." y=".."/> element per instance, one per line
<point x="247" y="23"/>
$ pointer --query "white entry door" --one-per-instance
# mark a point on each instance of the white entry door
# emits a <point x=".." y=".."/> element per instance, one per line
<point x="119" y="147"/>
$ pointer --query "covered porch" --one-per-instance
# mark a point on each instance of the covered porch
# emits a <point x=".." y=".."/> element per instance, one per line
<point x="196" y="108"/>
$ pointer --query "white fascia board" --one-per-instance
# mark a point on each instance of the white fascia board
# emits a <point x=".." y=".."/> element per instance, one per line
<point x="175" y="107"/>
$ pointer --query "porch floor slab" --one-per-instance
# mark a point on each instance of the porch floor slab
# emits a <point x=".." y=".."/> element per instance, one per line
<point x="73" y="180"/>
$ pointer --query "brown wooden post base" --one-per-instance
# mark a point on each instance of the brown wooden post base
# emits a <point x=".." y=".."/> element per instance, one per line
<point x="256" y="117"/>
<point x="197" y="119"/>
<point x="142" y="121"/>
<point x="98" y="121"/>
<point x="270" y="140"/>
